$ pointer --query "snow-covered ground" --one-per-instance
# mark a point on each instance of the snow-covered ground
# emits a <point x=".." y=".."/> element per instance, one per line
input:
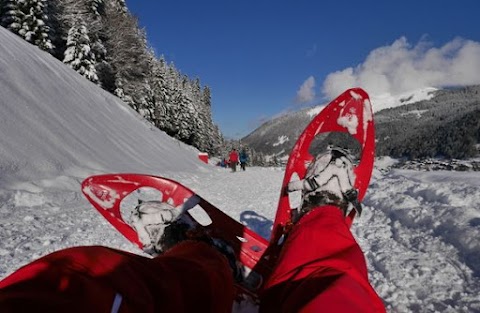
<point x="419" y="231"/>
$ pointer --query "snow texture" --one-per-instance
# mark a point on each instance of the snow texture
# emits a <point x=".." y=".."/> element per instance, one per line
<point x="281" y="140"/>
<point x="314" y="111"/>
<point x="419" y="231"/>
<point x="387" y="101"/>
<point x="349" y="120"/>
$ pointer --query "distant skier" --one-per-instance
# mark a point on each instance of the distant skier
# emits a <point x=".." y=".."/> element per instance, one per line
<point x="243" y="159"/>
<point x="233" y="157"/>
<point x="320" y="268"/>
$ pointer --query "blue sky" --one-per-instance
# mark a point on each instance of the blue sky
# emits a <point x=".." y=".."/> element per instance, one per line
<point x="262" y="58"/>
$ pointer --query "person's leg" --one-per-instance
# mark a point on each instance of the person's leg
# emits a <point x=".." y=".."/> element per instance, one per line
<point x="321" y="266"/>
<point x="190" y="277"/>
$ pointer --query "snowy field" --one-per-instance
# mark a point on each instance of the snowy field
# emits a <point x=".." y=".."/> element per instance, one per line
<point x="419" y="230"/>
<point x="420" y="236"/>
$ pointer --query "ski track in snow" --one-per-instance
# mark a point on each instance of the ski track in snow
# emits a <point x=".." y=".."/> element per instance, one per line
<point x="420" y="237"/>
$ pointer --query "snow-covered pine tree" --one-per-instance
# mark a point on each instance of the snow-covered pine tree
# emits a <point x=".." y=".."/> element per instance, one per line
<point x="127" y="54"/>
<point x="200" y="122"/>
<point x="11" y="15"/>
<point x="203" y="138"/>
<point x="214" y="138"/>
<point x="186" y="114"/>
<point x="78" y="54"/>
<point x="171" y="103"/>
<point x="96" y="27"/>
<point x="97" y="7"/>
<point x="160" y="91"/>
<point x="121" y="5"/>
<point x="34" y="25"/>
<point x="79" y="26"/>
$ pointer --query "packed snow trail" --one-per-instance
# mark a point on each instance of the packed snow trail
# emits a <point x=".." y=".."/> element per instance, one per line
<point x="250" y="196"/>
<point x="419" y="235"/>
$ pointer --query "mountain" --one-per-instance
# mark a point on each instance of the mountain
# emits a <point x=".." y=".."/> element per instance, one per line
<point x="423" y="123"/>
<point x="447" y="125"/>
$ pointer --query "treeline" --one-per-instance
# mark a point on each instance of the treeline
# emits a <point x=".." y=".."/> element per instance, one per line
<point x="448" y="126"/>
<point x="102" y="41"/>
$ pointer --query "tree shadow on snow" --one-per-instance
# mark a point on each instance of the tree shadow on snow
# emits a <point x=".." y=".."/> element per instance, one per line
<point x="258" y="223"/>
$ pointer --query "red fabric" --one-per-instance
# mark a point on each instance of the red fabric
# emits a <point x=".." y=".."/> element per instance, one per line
<point x="233" y="156"/>
<point x="321" y="269"/>
<point x="87" y="279"/>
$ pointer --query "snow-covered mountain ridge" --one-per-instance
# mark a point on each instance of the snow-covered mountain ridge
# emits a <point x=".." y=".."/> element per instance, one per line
<point x="387" y="101"/>
<point x="413" y="124"/>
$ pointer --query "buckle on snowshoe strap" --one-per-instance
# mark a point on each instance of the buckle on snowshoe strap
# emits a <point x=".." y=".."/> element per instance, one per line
<point x="352" y="197"/>
<point x="312" y="183"/>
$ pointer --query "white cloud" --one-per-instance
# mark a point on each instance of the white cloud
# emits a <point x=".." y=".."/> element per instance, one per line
<point x="402" y="67"/>
<point x="306" y="93"/>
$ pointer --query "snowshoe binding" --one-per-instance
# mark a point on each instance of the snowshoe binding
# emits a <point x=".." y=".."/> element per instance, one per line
<point x="160" y="226"/>
<point x="329" y="180"/>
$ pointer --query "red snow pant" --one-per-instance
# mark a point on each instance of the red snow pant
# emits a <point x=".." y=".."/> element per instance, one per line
<point x="191" y="277"/>
<point x="321" y="269"/>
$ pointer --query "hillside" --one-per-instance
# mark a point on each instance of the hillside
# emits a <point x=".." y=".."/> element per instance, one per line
<point x="44" y="101"/>
<point x="448" y="125"/>
<point x="102" y="41"/>
<point x="444" y="124"/>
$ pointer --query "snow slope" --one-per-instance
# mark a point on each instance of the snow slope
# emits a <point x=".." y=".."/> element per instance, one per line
<point x="419" y="231"/>
<point x="61" y="124"/>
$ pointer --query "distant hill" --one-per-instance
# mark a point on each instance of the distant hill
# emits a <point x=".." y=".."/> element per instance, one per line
<point x="421" y="124"/>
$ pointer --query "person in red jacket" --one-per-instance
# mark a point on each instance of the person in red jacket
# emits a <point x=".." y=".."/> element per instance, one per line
<point x="320" y="269"/>
<point x="233" y="159"/>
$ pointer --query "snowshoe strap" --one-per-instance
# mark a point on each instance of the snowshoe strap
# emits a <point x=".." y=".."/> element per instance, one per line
<point x="352" y="197"/>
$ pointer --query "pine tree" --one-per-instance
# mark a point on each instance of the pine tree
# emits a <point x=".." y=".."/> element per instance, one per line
<point x="78" y="54"/>
<point x="97" y="7"/>
<point x="171" y="101"/>
<point x="34" y="26"/>
<point x="11" y="15"/>
<point x="202" y="139"/>
<point x="160" y="91"/>
<point x="121" y="5"/>
<point x="127" y="54"/>
<point x="211" y="137"/>
<point x="186" y="113"/>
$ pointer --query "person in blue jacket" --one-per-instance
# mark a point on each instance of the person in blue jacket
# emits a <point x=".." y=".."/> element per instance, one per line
<point x="243" y="159"/>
